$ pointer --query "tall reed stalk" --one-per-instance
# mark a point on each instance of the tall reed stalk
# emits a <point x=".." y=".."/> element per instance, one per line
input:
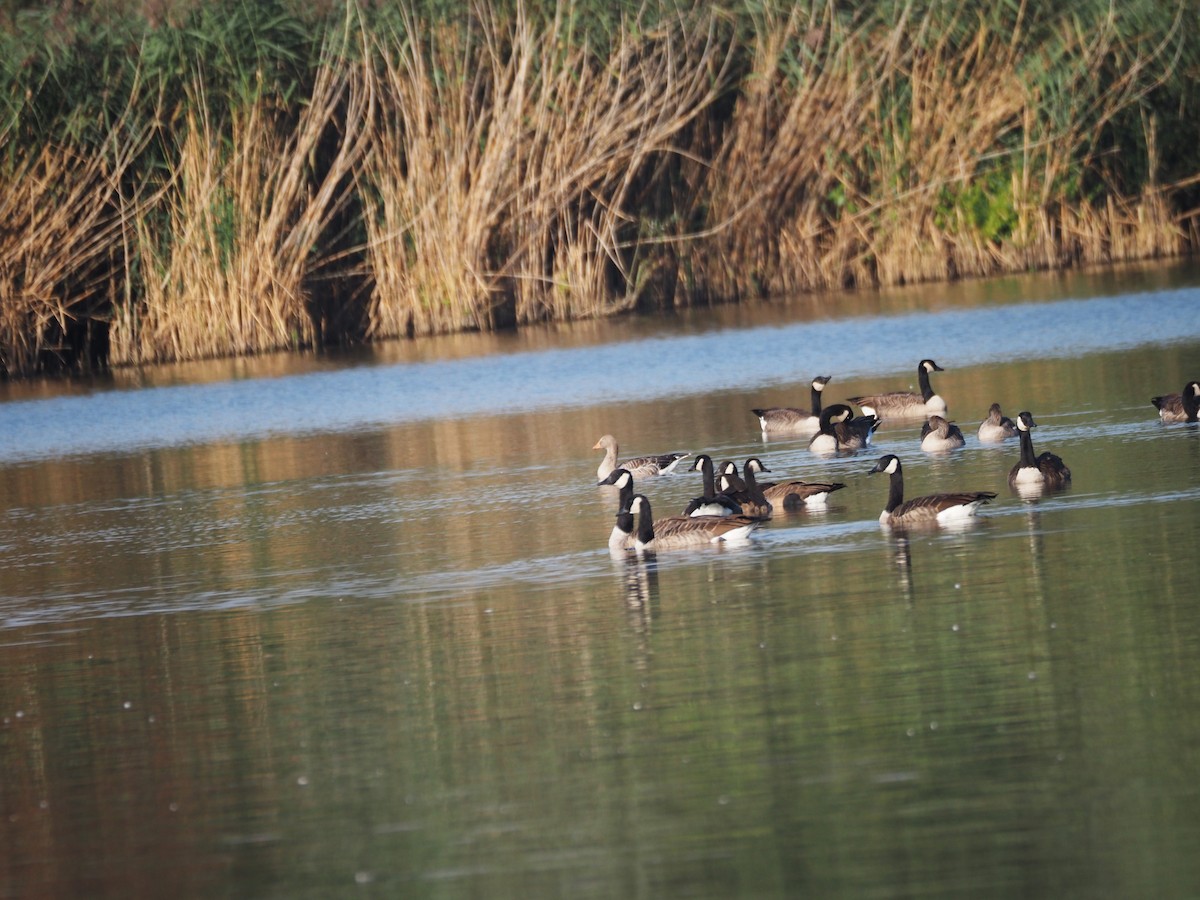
<point x="61" y="246"/>
<point x="506" y="186"/>
<point x="226" y="254"/>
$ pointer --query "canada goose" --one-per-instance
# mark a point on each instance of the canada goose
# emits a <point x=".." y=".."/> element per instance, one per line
<point x="906" y="404"/>
<point x="1046" y="469"/>
<point x="1181" y="407"/>
<point x="840" y="430"/>
<point x="745" y="492"/>
<point x="675" y="532"/>
<point x="997" y="426"/>
<point x="937" y="435"/>
<point x="640" y="467"/>
<point x="790" y="419"/>
<point x="928" y="510"/>
<point x="710" y="503"/>
<point x="789" y="495"/>
<point x="621" y="537"/>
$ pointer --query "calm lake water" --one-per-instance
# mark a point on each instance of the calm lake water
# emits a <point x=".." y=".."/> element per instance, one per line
<point x="347" y="626"/>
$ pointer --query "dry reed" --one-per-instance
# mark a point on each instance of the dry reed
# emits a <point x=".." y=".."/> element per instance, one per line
<point x="509" y="169"/>
<point x="227" y="252"/>
<point x="60" y="239"/>
<point x="505" y="187"/>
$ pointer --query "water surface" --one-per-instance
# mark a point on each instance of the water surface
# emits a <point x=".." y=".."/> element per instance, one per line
<point x="341" y="626"/>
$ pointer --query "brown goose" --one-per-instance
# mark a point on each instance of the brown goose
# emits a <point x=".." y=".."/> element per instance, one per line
<point x="788" y="495"/>
<point x="1181" y="407"/>
<point x="675" y="532"/>
<point x="938" y="435"/>
<point x="997" y="426"/>
<point x="639" y="467"/>
<point x="932" y="509"/>
<point x="1045" y="469"/>
<point x="906" y="404"/>
<point x="790" y="419"/>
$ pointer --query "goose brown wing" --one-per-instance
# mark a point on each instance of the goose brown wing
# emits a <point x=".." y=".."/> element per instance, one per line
<point x="932" y="504"/>
<point x="698" y="528"/>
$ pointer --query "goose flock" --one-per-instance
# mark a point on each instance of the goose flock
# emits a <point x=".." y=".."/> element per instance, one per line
<point x="734" y="504"/>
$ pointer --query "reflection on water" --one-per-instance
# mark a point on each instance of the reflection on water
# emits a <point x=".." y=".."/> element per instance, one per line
<point x="398" y="659"/>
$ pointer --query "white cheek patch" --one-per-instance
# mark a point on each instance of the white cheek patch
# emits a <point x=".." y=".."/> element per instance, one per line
<point x="891" y="466"/>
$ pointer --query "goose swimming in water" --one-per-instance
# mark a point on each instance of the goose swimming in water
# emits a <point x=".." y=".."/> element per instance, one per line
<point x="710" y="503"/>
<point x="906" y="404"/>
<point x="639" y="467"/>
<point x="997" y="426"/>
<point x="675" y="532"/>
<point x="1046" y="469"/>
<point x="841" y="431"/>
<point x="932" y="509"/>
<point x="621" y="537"/>
<point x="791" y="419"/>
<point x="1181" y="407"/>
<point x="938" y="435"/>
<point x="788" y="495"/>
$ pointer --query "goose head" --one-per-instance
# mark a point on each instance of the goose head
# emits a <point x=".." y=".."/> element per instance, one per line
<point x="619" y="478"/>
<point x="888" y="464"/>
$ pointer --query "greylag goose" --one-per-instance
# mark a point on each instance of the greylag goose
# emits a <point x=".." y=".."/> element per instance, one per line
<point x="639" y="467"/>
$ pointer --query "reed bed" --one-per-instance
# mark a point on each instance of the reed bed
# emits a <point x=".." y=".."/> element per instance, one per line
<point x="228" y="251"/>
<point x="500" y="191"/>
<point x="61" y="224"/>
<point x="421" y="169"/>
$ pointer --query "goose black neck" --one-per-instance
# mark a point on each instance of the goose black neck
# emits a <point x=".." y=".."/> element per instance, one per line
<point x="816" y="401"/>
<point x="923" y="381"/>
<point x="1191" y="404"/>
<point x="625" y="521"/>
<point x="1027" y="457"/>
<point x="706" y="470"/>
<point x="645" y="532"/>
<point x="752" y="487"/>
<point x="895" y="489"/>
<point x="624" y="498"/>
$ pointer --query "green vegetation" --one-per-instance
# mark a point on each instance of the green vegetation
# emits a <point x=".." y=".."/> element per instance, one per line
<point x="183" y="179"/>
